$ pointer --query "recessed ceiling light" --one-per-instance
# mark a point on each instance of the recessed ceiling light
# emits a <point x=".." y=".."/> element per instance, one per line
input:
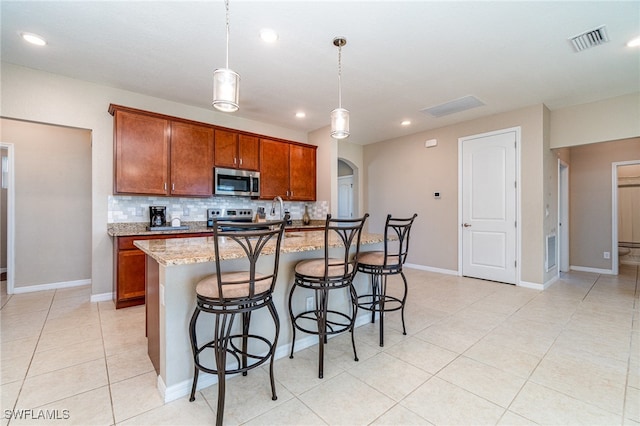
<point x="268" y="35"/>
<point x="405" y="122"/>
<point x="33" y="39"/>
<point x="634" y="42"/>
<point x="300" y="114"/>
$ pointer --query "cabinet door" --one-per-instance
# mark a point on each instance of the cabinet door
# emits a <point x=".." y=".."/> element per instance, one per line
<point x="302" y="168"/>
<point x="141" y="154"/>
<point x="191" y="160"/>
<point x="249" y="152"/>
<point x="274" y="169"/>
<point x="226" y="149"/>
<point x="131" y="270"/>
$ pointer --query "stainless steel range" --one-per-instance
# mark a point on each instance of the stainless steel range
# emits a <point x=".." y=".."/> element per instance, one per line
<point x="229" y="215"/>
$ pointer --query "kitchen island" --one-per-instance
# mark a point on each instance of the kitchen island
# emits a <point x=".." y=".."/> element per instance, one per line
<point x="174" y="267"/>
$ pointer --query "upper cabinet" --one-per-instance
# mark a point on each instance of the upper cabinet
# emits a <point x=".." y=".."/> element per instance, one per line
<point x="236" y="150"/>
<point x="155" y="155"/>
<point x="287" y="170"/>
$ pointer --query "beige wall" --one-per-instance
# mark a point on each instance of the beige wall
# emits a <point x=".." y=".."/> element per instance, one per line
<point x="590" y="199"/>
<point x="48" y="98"/>
<point x="401" y="175"/>
<point x="52" y="202"/>
<point x="602" y="121"/>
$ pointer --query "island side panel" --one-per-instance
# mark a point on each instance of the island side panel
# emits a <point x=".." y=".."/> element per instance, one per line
<point x="152" y="308"/>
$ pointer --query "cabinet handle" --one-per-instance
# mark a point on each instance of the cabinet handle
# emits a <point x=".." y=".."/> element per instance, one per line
<point x="235" y="160"/>
<point x="173" y="186"/>
<point x="165" y="186"/>
<point x="241" y="161"/>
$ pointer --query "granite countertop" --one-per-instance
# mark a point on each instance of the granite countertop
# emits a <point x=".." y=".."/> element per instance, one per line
<point x="185" y="251"/>
<point x="140" y="228"/>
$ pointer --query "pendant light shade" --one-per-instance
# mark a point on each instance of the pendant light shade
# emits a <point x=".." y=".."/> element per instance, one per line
<point x="226" y="83"/>
<point x="339" y="123"/>
<point x="339" y="116"/>
<point x="226" y="90"/>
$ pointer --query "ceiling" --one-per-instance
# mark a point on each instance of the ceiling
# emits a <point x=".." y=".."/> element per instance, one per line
<point x="401" y="56"/>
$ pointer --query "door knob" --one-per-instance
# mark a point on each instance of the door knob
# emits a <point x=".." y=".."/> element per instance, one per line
<point x="466" y="225"/>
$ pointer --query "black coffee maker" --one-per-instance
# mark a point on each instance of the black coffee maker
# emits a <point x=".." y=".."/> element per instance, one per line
<point x="157" y="216"/>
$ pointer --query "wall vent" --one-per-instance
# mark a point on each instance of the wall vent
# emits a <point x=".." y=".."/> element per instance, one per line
<point x="589" y="39"/>
<point x="550" y="261"/>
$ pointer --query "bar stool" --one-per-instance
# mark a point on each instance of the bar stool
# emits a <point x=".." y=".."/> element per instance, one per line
<point x="238" y="293"/>
<point x="325" y="275"/>
<point x="381" y="264"/>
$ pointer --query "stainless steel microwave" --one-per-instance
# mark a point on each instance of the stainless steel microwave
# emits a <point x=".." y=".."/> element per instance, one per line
<point x="236" y="182"/>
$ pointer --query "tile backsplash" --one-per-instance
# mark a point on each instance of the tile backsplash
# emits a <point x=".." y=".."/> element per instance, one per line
<point x="124" y="209"/>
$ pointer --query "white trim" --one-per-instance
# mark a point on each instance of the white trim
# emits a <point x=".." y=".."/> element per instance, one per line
<point x="51" y="286"/>
<point x="11" y="219"/>
<point x="536" y="286"/>
<point x="563" y="217"/>
<point x="431" y="269"/>
<point x="594" y="270"/>
<point x="614" y="212"/>
<point x="518" y="132"/>
<point x="102" y="297"/>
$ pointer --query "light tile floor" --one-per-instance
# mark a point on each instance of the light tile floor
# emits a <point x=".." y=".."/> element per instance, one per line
<point x="476" y="352"/>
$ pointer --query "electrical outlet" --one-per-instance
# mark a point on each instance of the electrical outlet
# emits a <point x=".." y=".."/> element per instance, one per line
<point x="606" y="255"/>
<point x="310" y="303"/>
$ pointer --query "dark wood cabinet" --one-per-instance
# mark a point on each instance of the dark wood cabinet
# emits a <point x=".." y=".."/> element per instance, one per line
<point x="129" y="268"/>
<point x="236" y="150"/>
<point x="191" y="160"/>
<point x="302" y="173"/>
<point x="155" y="155"/>
<point x="287" y="170"/>
<point x="141" y="154"/>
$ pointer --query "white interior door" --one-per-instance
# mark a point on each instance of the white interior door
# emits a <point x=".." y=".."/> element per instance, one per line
<point x="488" y="227"/>
<point x="345" y="197"/>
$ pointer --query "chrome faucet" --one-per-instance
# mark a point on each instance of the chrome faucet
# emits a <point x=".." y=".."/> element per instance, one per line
<point x="273" y="206"/>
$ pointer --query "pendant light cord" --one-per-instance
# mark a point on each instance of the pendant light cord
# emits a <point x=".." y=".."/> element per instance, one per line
<point x="226" y="5"/>
<point x="339" y="76"/>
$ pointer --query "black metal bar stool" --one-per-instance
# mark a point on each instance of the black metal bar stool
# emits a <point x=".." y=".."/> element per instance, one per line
<point x="238" y="293"/>
<point x="325" y="275"/>
<point x="381" y="264"/>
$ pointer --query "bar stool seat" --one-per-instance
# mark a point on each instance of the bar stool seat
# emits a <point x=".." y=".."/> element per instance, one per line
<point x="379" y="265"/>
<point x="232" y="295"/>
<point x="325" y="276"/>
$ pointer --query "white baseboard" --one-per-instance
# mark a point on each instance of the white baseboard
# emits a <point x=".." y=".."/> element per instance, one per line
<point x="537" y="286"/>
<point x="594" y="270"/>
<point x="183" y="388"/>
<point x="431" y="269"/>
<point x="102" y="297"/>
<point x="50" y="286"/>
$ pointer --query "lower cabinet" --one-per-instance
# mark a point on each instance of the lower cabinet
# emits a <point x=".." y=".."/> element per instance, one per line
<point x="129" y="268"/>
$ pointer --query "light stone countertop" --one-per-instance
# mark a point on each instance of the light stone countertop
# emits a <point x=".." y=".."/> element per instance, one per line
<point x="141" y="228"/>
<point x="185" y="251"/>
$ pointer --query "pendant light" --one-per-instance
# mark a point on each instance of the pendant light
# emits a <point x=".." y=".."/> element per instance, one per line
<point x="339" y="116"/>
<point x="226" y="83"/>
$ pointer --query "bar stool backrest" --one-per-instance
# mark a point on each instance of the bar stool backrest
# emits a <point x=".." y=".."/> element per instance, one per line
<point x="395" y="252"/>
<point x="348" y="232"/>
<point x="253" y="241"/>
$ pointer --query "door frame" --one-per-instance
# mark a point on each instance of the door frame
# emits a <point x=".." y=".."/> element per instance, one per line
<point x="614" y="212"/>
<point x="11" y="203"/>
<point x="518" y="132"/>
<point x="563" y="217"/>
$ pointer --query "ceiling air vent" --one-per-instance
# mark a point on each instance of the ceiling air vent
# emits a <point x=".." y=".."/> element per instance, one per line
<point x="589" y="39"/>
<point x="453" y="107"/>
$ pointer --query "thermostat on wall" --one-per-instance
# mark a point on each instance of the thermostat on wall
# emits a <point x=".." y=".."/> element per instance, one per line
<point x="431" y="143"/>
<point x="436" y="195"/>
